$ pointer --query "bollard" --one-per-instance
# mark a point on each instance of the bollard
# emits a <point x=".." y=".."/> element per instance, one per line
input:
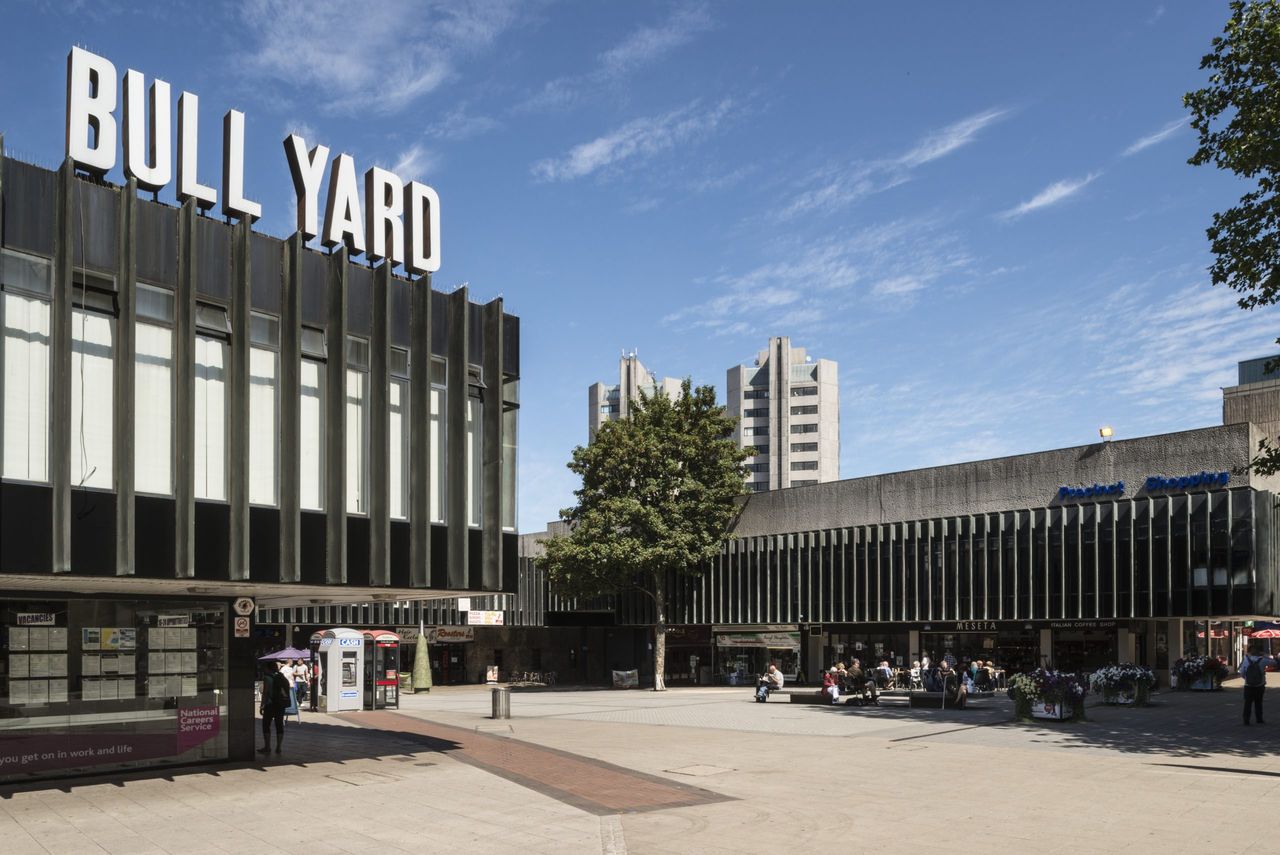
<point x="501" y="702"/>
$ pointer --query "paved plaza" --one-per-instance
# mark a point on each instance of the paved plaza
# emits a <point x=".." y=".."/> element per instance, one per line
<point x="692" y="770"/>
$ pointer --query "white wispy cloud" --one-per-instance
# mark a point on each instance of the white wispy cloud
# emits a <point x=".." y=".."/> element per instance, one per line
<point x="331" y="51"/>
<point x="943" y="142"/>
<point x="636" y="140"/>
<point x="837" y="186"/>
<point x="1155" y="138"/>
<point x="812" y="281"/>
<point x="458" y="125"/>
<point x="642" y="47"/>
<point x="415" y="163"/>
<point x="1056" y="192"/>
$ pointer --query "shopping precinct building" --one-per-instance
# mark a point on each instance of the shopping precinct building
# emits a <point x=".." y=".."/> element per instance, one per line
<point x="199" y="421"/>
<point x="1133" y="550"/>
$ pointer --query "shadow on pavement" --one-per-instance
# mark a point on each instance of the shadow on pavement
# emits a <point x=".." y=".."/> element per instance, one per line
<point x="1175" y="725"/>
<point x="310" y="741"/>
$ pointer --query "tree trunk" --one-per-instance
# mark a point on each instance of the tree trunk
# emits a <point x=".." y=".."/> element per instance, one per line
<point x="660" y="632"/>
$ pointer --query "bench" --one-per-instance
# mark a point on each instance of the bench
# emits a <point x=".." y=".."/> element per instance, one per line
<point x="933" y="700"/>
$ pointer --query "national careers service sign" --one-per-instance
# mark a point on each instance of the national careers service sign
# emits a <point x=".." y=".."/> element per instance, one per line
<point x="398" y="221"/>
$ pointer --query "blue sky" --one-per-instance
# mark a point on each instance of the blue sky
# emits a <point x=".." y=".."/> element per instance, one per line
<point x="982" y="211"/>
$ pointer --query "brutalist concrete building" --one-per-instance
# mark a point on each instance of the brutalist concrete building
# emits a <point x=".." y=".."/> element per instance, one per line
<point x="193" y="413"/>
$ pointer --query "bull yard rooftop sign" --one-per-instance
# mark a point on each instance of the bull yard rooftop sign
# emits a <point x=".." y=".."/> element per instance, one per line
<point x="398" y="222"/>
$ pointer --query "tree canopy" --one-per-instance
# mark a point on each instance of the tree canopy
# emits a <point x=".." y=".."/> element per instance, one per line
<point x="1237" y="117"/>
<point x="657" y="498"/>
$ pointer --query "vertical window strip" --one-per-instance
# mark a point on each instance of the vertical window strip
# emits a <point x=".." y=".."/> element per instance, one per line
<point x="25" y="324"/>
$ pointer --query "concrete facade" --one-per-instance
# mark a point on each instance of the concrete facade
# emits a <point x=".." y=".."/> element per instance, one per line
<point x="788" y="407"/>
<point x="1255" y="398"/>
<point x="1004" y="483"/>
<point x="609" y="403"/>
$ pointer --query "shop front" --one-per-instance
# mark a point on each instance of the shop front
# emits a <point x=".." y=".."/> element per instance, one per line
<point x="742" y="654"/>
<point x="1014" y="646"/>
<point x="99" y="685"/>
<point x="689" y="656"/>
<point x="446" y="651"/>
<point x="868" y="646"/>
<point x="1086" y="645"/>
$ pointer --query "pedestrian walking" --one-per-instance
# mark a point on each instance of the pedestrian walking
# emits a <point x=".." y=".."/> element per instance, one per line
<point x="1254" y="670"/>
<point x="275" y="700"/>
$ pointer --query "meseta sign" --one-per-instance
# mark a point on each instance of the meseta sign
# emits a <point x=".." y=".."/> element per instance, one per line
<point x="398" y="222"/>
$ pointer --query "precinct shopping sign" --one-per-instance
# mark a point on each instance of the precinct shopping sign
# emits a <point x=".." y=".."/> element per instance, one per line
<point x="398" y="221"/>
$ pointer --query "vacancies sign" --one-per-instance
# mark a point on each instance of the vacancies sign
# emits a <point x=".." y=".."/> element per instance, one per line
<point x="396" y="221"/>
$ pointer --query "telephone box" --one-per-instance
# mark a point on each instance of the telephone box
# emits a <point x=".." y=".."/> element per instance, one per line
<point x="381" y="669"/>
<point x="337" y="661"/>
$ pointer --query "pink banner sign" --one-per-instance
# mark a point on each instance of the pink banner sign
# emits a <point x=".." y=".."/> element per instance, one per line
<point x="47" y="752"/>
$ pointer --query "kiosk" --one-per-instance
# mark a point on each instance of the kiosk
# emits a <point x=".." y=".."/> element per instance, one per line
<point x="381" y="669"/>
<point x="337" y="661"/>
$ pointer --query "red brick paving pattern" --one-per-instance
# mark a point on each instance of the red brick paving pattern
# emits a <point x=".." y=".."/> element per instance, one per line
<point x="591" y="785"/>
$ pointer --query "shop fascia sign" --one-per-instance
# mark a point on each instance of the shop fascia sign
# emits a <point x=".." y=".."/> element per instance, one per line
<point x="484" y="618"/>
<point x="398" y="221"/>
<point x="767" y="640"/>
<point x="1154" y="483"/>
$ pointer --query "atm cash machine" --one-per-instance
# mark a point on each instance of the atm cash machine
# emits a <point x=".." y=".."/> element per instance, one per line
<point x="337" y="661"/>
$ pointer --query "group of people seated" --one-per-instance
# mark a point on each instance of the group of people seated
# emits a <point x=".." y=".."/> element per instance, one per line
<point x="861" y="685"/>
<point x="954" y="679"/>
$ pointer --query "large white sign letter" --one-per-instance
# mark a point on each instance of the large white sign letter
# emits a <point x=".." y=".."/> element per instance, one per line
<point x="91" y="97"/>
<point x="234" y="204"/>
<point x="148" y="155"/>
<point x="189" y="186"/>
<point x="422" y="226"/>
<point x="342" y="215"/>
<point x="308" y="172"/>
<point x="384" y="203"/>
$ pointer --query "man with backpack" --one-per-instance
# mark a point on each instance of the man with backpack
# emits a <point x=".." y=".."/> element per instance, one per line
<point x="275" y="700"/>
<point x="1254" y="670"/>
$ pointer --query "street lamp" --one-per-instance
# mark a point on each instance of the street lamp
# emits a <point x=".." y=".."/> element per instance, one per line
<point x="1105" y="432"/>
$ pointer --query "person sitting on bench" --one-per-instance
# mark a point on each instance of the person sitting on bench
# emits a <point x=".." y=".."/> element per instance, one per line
<point x="952" y="686"/>
<point x="831" y="685"/>
<point x="770" y="681"/>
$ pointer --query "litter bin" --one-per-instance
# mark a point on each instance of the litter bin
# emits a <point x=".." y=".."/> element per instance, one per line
<point x="501" y="702"/>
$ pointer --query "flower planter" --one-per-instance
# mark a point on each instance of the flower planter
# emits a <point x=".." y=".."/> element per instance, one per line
<point x="1205" y="684"/>
<point x="1050" y="710"/>
<point x="1118" y="698"/>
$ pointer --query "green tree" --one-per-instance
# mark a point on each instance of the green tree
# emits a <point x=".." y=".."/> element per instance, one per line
<point x="657" y="500"/>
<point x="1237" y="116"/>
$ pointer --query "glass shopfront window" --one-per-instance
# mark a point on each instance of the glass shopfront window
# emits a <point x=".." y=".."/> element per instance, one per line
<point x="100" y="685"/>
<point x="867" y="648"/>
<point x="1013" y="650"/>
<point x="741" y="656"/>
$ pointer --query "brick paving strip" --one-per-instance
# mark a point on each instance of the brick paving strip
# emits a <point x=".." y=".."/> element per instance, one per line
<point x="586" y="783"/>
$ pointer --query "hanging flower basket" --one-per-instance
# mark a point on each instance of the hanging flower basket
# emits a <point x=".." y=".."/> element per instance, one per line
<point x="1050" y="695"/>
<point x="1202" y="673"/>
<point x="1125" y="684"/>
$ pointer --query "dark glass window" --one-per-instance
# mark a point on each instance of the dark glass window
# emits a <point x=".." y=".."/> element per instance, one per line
<point x="1106" y="560"/>
<point x="1124" y="558"/>
<point x="1160" y="589"/>
<point x="1089" y="561"/>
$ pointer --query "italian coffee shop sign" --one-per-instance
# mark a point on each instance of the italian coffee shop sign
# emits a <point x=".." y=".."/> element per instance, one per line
<point x="398" y="221"/>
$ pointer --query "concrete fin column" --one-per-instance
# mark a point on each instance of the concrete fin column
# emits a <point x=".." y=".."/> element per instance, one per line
<point x="184" y="395"/>
<point x="491" y="459"/>
<point x="380" y="433"/>
<point x="335" y="424"/>
<point x="238" y="401"/>
<point x="1" y="233"/>
<point x="420" y="473"/>
<point x="60" y="371"/>
<point x="122" y="414"/>
<point x="456" y="400"/>
<point x="290" y="416"/>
